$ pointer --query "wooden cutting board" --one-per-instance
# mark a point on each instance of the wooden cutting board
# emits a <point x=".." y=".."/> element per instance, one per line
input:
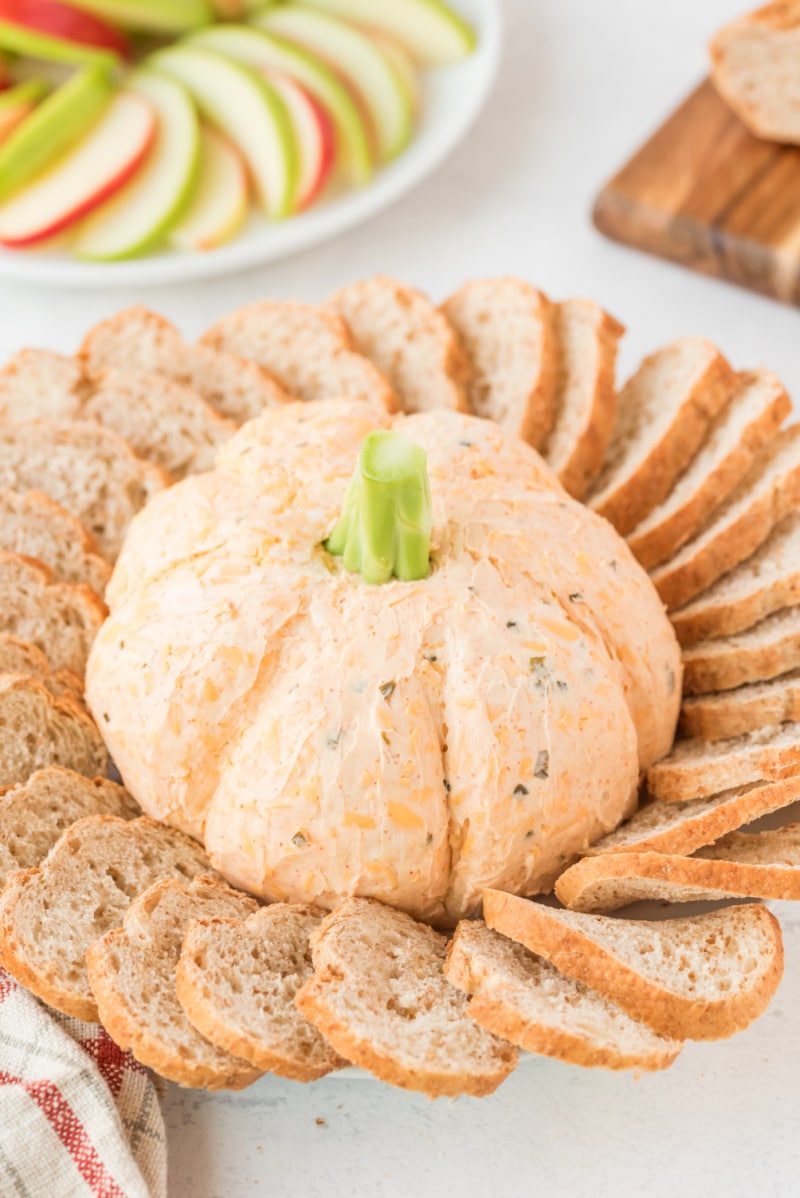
<point x="706" y="193"/>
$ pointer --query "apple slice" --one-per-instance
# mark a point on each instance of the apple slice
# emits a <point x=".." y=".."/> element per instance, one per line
<point x="249" y="111"/>
<point x="258" y="49"/>
<point x="54" y="19"/>
<point x="360" y="63"/>
<point x="402" y="62"/>
<point x="429" y="29"/>
<point x="218" y="208"/>
<point x="152" y="16"/>
<point x="89" y="173"/>
<point x="144" y="212"/>
<point x="55" y="125"/>
<point x="313" y="130"/>
<point x="17" y="103"/>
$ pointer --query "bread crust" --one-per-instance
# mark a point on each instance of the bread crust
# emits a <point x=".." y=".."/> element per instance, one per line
<point x="670" y="1014"/>
<point x="680" y="579"/>
<point x="656" y="542"/>
<point x="678" y="779"/>
<point x="764" y="30"/>
<point x="720" y="715"/>
<point x="756" y="656"/>
<point x="627" y="500"/>
<point x="418" y="317"/>
<point x="704" y="827"/>
<point x="581" y="461"/>
<point x="698" y="621"/>
<point x="708" y="880"/>
<point x="127" y="1026"/>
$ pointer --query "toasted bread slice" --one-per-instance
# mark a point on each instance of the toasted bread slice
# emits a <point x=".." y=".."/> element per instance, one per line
<point x="380" y="998"/>
<point x="39" y="384"/>
<point x="696" y="768"/>
<point x="51" y="914"/>
<point x="507" y="329"/>
<point x="60" y="618"/>
<point x="754" y="61"/>
<point x="139" y="340"/>
<point x="664" y="413"/>
<point x="33" y="814"/>
<point x="767" y="868"/>
<point x="310" y="350"/>
<point x="161" y="420"/>
<point x="409" y="340"/>
<point x="682" y="827"/>
<point x="769" y="492"/>
<point x="753" y="590"/>
<point x="702" y="978"/>
<point x="723" y="714"/>
<point x="37" y="729"/>
<point x="237" y="981"/>
<point x="586" y="393"/>
<point x="86" y="468"/>
<point x="769" y="648"/>
<point x="752" y="418"/>
<point x="21" y="657"/>
<point x="132" y="975"/>
<point x="525" y="999"/>
<point x="34" y="525"/>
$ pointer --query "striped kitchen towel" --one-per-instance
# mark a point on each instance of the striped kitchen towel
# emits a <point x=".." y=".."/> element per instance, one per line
<point x="79" y="1118"/>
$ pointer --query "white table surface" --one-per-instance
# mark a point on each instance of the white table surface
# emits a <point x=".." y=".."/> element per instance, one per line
<point x="581" y="84"/>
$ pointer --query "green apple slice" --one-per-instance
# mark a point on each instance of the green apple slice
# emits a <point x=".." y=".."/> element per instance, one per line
<point x="258" y="49"/>
<point x="221" y="199"/>
<point x="44" y="46"/>
<point x="359" y="61"/>
<point x="55" y="125"/>
<point x="17" y="103"/>
<point x="433" y="33"/>
<point x="155" y="16"/>
<point x="250" y="112"/>
<point x="141" y="215"/>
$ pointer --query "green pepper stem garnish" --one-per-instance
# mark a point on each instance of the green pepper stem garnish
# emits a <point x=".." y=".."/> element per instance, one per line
<point x="384" y="530"/>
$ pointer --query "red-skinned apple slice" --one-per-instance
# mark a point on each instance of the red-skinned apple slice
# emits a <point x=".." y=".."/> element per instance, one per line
<point x="81" y="180"/>
<point x="315" y="136"/>
<point x="54" y="19"/>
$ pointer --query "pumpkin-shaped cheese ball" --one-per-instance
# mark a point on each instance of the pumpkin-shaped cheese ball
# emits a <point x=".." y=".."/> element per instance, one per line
<point x="474" y="722"/>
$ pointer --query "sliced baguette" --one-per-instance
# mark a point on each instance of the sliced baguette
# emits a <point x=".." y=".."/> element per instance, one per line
<point x="409" y="340"/>
<point x="380" y="998"/>
<point x="724" y="714"/>
<point x="140" y="340"/>
<point x="769" y="868"/>
<point x="507" y="330"/>
<point x="20" y="657"/>
<point x="769" y="648"/>
<point x="682" y="827"/>
<point x="752" y="418"/>
<point x="37" y="729"/>
<point x="585" y="393"/>
<point x="753" y="590"/>
<point x="34" y="525"/>
<point x="51" y="914"/>
<point x="163" y="421"/>
<point x="40" y="384"/>
<point x="702" y="978"/>
<point x="60" y="618"/>
<point x="310" y="350"/>
<point x="664" y="413"/>
<point x="696" y="768"/>
<point x="525" y="999"/>
<point x="132" y="975"/>
<point x="86" y="468"/>
<point x="237" y="981"/>
<point x="34" y="814"/>
<point x="767" y="494"/>
<point x="754" y="68"/>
